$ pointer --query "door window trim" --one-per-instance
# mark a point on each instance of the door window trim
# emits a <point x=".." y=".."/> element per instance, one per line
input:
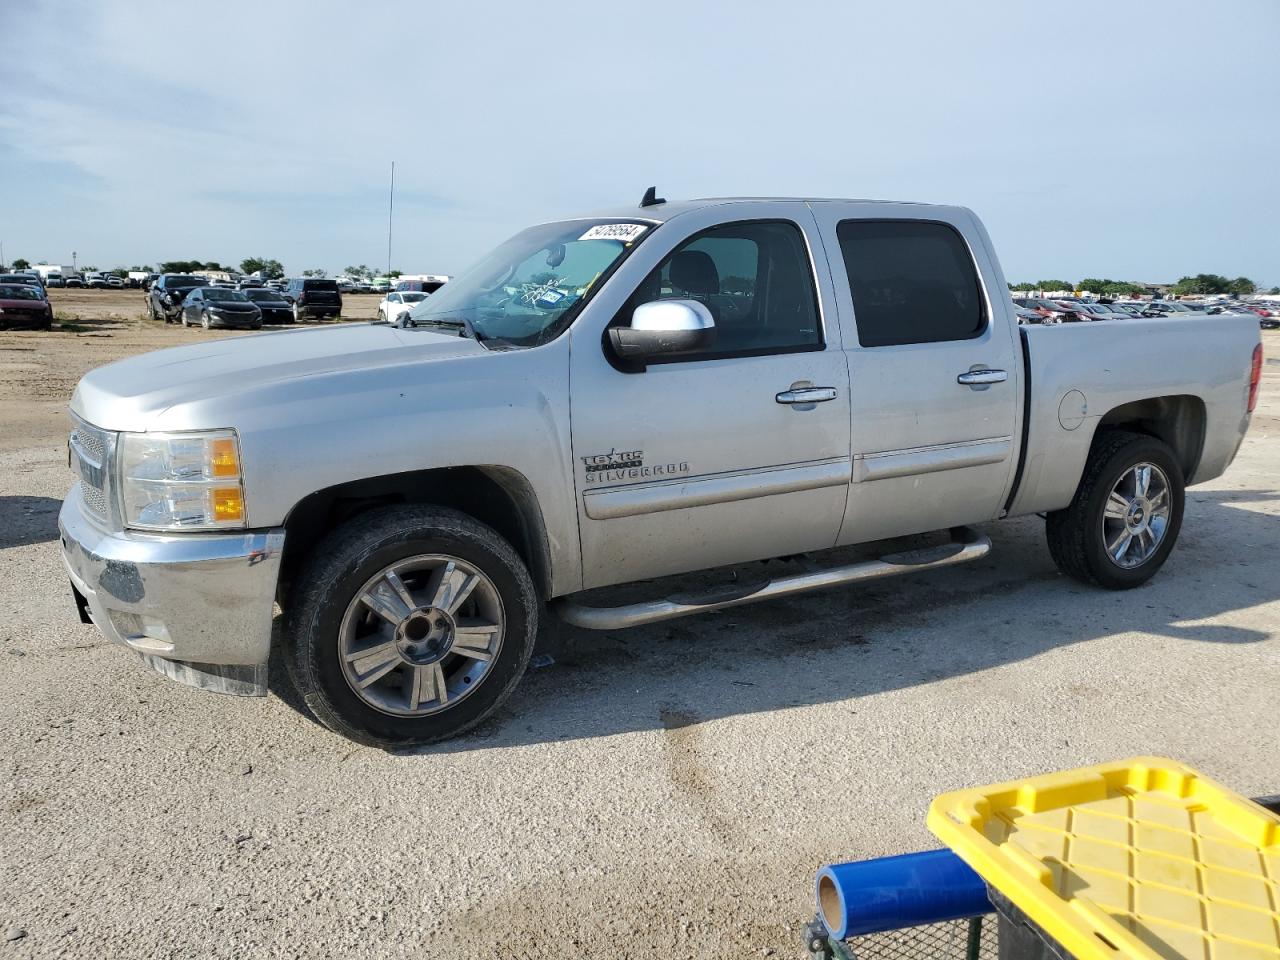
<point x="619" y="320"/>
<point x="985" y="298"/>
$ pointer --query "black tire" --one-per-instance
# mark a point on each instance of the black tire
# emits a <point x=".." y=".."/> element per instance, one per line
<point x="1075" y="533"/>
<point x="337" y="569"/>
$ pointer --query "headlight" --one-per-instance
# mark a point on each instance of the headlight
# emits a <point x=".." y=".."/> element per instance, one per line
<point x="182" y="481"/>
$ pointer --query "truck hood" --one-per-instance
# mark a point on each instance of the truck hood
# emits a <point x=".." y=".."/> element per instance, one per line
<point x="130" y="394"/>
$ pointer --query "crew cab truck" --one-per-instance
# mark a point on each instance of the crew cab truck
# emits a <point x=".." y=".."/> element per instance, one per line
<point x="609" y="399"/>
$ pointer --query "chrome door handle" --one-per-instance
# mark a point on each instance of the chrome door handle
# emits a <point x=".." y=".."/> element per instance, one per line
<point x="974" y="378"/>
<point x="807" y="395"/>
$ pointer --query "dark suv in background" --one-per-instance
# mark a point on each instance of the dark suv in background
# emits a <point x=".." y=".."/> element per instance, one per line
<point x="164" y="299"/>
<point x="314" y="298"/>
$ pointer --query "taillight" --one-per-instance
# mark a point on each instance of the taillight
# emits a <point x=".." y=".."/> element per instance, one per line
<point x="1255" y="378"/>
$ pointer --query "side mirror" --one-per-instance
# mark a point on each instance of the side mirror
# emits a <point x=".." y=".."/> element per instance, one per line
<point x="663" y="327"/>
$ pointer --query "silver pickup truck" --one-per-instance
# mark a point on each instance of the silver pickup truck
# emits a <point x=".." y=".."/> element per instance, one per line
<point x="609" y="399"/>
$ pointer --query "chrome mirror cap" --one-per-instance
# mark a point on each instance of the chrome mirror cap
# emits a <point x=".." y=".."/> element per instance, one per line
<point x="664" y="327"/>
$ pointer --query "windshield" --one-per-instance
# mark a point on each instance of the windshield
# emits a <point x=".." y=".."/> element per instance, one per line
<point x="221" y="295"/>
<point x="18" y="291"/>
<point x="413" y="297"/>
<point x="184" y="282"/>
<point x="525" y="292"/>
<point x="263" y="296"/>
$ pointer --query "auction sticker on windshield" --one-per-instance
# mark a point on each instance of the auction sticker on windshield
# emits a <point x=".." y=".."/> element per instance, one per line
<point x="626" y="232"/>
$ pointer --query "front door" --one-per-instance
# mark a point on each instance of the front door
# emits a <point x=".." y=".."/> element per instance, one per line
<point x="934" y="368"/>
<point x="707" y="458"/>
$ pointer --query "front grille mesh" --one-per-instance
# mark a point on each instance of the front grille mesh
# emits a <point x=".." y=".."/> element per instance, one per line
<point x="94" y="499"/>
<point x="92" y="443"/>
<point x="91" y="455"/>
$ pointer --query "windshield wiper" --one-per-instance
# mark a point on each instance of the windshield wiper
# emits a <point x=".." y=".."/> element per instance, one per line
<point x="465" y="327"/>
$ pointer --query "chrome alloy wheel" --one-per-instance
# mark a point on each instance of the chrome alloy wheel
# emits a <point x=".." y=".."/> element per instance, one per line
<point x="1136" y="515"/>
<point x="421" y="635"/>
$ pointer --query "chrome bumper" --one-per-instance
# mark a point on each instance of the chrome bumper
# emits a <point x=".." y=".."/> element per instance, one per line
<point x="197" y="607"/>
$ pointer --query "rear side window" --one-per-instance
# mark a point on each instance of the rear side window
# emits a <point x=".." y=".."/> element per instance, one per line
<point x="753" y="277"/>
<point x="912" y="281"/>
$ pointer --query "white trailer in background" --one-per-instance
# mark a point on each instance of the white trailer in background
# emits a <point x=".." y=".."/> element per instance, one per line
<point x="58" y="270"/>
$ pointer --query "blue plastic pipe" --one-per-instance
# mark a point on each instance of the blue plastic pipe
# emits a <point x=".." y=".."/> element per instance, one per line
<point x="871" y="896"/>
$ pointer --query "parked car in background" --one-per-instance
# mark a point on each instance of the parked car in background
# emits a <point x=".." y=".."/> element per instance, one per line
<point x="277" y="285"/>
<point x="24" y="305"/>
<point x="164" y="299"/>
<point x="27" y="279"/>
<point x="148" y="280"/>
<point x="1164" y="308"/>
<point x="54" y="280"/>
<point x="250" y="283"/>
<point x="1027" y="315"/>
<point x="395" y="307"/>
<point x="275" y="308"/>
<point x="114" y="282"/>
<point x="1052" y="310"/>
<point x="219" y="307"/>
<point x="314" y="297"/>
<point x="74" y="280"/>
<point x="426" y="283"/>
<point x="95" y="281"/>
<point x="1095" y="311"/>
<point x="1125" y="308"/>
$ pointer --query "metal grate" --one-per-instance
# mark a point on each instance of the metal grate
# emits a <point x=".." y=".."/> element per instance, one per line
<point x="973" y="939"/>
<point x="91" y="453"/>
<point x="91" y="443"/>
<point x="970" y="939"/>
<point x="94" y="499"/>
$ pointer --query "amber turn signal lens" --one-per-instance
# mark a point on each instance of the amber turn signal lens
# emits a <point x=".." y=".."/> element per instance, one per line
<point x="228" y="504"/>
<point x="223" y="458"/>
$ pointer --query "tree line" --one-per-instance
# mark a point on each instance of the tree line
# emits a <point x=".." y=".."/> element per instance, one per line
<point x="1201" y="283"/>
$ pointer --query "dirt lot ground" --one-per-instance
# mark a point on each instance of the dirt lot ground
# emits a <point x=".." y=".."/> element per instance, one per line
<point x="665" y="791"/>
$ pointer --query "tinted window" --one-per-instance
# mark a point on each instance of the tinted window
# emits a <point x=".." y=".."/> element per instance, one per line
<point x="912" y="282"/>
<point x="183" y="282"/>
<point x="310" y="285"/>
<point x="263" y="296"/>
<point x="754" y="278"/>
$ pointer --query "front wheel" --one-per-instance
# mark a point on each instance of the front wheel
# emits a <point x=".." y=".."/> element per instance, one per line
<point x="1125" y="517"/>
<point x="204" y="319"/>
<point x="297" y="316"/>
<point x="409" y="625"/>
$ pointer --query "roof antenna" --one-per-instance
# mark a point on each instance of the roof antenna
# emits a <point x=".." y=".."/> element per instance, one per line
<point x="651" y="198"/>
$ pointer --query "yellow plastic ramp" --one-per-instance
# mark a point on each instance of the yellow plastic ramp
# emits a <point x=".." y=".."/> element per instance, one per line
<point x="1142" y="858"/>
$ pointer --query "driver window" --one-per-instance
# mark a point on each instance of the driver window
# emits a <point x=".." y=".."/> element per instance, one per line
<point x="755" y="280"/>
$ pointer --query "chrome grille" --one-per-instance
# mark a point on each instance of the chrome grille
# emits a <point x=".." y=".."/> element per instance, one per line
<point x="95" y="500"/>
<point x="91" y="451"/>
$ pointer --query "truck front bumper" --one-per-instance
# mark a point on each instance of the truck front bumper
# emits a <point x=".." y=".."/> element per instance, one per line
<point x="197" y="607"/>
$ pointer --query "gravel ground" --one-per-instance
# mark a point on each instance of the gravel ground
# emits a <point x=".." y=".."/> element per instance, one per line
<point x="665" y="791"/>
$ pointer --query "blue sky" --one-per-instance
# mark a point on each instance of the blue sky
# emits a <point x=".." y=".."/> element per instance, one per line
<point x="1135" y="139"/>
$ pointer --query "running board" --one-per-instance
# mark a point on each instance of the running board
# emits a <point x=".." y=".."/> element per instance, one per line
<point x="965" y="545"/>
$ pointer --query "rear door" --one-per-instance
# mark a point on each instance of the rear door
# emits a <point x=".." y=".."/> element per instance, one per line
<point x="934" y="367"/>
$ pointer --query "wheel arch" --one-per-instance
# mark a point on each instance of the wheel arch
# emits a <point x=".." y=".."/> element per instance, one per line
<point x="1178" y="420"/>
<point x="498" y="496"/>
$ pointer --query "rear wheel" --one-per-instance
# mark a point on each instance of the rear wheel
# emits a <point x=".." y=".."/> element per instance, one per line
<point x="1124" y="520"/>
<point x="409" y="625"/>
<point x="297" y="314"/>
